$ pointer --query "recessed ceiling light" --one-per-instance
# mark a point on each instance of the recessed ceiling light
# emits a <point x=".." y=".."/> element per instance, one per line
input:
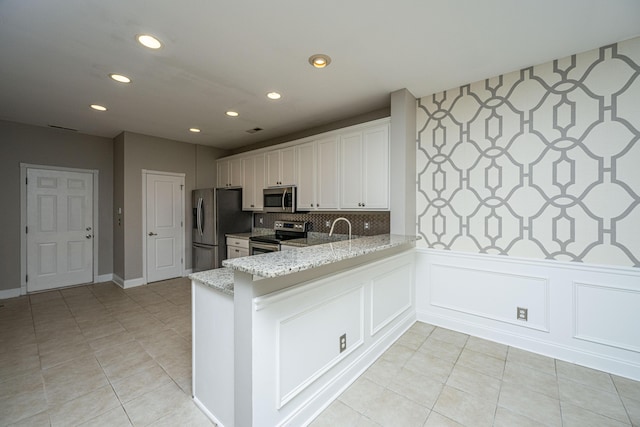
<point x="232" y="114"/>
<point x="120" y="78"/>
<point x="194" y="130"/>
<point x="319" y="60"/>
<point x="274" y="95"/>
<point x="98" y="107"/>
<point x="149" y="41"/>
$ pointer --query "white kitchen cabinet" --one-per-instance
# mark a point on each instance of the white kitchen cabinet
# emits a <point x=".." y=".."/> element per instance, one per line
<point x="229" y="172"/>
<point x="280" y="165"/>
<point x="253" y="182"/>
<point x="317" y="175"/>
<point x="237" y="248"/>
<point x="364" y="179"/>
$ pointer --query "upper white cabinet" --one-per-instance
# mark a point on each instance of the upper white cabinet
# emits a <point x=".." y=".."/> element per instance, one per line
<point x="229" y="172"/>
<point x="317" y="175"/>
<point x="280" y="167"/>
<point x="253" y="182"/>
<point x="364" y="176"/>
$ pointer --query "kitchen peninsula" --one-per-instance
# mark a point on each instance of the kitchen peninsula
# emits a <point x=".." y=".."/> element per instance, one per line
<point x="278" y="336"/>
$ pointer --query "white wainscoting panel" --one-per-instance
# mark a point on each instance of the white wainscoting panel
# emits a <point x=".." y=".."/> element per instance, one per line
<point x="607" y="315"/>
<point x="298" y="368"/>
<point x="580" y="313"/>
<point x="491" y="294"/>
<point x="391" y="294"/>
<point x="308" y="341"/>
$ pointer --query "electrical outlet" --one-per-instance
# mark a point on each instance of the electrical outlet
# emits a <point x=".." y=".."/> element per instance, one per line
<point x="366" y="225"/>
<point x="522" y="314"/>
<point x="343" y="342"/>
<point x="327" y="224"/>
<point x="261" y="220"/>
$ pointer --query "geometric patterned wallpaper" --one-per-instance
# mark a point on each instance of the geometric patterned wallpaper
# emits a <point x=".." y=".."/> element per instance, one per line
<point x="540" y="163"/>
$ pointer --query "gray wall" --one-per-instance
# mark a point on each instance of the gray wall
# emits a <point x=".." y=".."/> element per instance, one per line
<point x="151" y="153"/>
<point x="45" y="146"/>
<point x="118" y="201"/>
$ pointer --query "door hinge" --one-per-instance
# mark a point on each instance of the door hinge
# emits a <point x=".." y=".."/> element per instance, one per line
<point x="181" y="261"/>
<point x="26" y="229"/>
<point x="181" y="224"/>
<point x="26" y="181"/>
<point x="181" y="187"/>
<point x="26" y="278"/>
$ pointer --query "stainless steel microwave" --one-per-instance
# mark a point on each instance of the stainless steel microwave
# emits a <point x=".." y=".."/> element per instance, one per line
<point x="279" y="199"/>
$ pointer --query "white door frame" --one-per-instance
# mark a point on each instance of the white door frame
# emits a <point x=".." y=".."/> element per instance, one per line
<point x="146" y="172"/>
<point x="23" y="217"/>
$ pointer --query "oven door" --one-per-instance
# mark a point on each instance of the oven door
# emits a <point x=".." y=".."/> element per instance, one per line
<point x="257" y="248"/>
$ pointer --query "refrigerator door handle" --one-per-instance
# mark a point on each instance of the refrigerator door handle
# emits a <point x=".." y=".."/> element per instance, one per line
<point x="200" y="201"/>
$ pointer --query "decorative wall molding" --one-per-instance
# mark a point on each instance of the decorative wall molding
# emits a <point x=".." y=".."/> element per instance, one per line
<point x="540" y="163"/>
<point x="618" y="305"/>
<point x="591" y="309"/>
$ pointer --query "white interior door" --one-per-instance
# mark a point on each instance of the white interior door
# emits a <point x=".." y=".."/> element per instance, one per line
<point x="164" y="225"/>
<point x="59" y="228"/>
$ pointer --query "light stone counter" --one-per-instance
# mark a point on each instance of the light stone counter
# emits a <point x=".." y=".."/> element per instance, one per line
<point x="220" y="279"/>
<point x="276" y="264"/>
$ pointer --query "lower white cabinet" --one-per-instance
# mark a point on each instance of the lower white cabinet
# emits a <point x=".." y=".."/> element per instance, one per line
<point x="237" y="248"/>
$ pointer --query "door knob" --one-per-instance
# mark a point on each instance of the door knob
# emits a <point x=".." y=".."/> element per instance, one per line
<point x="88" y="236"/>
<point x="88" y="228"/>
<point x="151" y="233"/>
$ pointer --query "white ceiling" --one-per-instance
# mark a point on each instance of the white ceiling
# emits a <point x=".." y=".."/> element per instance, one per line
<point x="55" y="57"/>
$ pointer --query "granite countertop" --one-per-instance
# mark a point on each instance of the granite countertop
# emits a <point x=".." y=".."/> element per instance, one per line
<point x="243" y="236"/>
<point x="220" y="279"/>
<point x="276" y="264"/>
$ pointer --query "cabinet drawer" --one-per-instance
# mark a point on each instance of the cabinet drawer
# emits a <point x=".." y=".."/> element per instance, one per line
<point x="239" y="243"/>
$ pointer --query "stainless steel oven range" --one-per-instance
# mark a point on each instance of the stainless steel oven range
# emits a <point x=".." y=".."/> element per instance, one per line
<point x="283" y="230"/>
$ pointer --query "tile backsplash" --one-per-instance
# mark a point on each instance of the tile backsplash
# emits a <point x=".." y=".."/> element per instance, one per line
<point x="379" y="222"/>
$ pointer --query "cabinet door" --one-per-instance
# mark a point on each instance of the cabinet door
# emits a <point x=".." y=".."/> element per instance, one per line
<point x="305" y="163"/>
<point x="258" y="164"/>
<point x="288" y="166"/>
<point x="248" y="184"/>
<point x="273" y="168"/>
<point x="376" y="168"/>
<point x="235" y="173"/>
<point x="326" y="173"/>
<point x="351" y="171"/>
<point x="223" y="173"/>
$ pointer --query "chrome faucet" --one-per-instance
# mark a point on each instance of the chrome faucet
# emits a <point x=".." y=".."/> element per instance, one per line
<point x="334" y="224"/>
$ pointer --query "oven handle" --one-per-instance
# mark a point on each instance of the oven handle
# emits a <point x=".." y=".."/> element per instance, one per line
<point x="268" y="246"/>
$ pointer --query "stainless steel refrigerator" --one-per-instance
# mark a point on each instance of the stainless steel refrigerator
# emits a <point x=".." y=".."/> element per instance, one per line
<point x="216" y="212"/>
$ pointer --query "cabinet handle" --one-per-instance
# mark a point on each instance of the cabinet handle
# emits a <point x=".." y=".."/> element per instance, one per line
<point x="363" y="205"/>
<point x="237" y="250"/>
<point x="317" y="205"/>
<point x="311" y="204"/>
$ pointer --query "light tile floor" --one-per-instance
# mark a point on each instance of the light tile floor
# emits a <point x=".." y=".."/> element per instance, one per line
<point x="98" y="355"/>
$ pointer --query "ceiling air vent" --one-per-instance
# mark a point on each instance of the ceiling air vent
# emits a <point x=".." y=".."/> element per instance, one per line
<point x="254" y="130"/>
<point x="63" y="128"/>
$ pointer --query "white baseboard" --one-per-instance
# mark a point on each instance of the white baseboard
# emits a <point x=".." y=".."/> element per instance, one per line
<point x="207" y="412"/>
<point x="10" y="293"/>
<point x="118" y="280"/>
<point x="104" y="278"/>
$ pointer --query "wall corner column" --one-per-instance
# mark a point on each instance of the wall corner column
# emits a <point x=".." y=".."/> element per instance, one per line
<point x="403" y="163"/>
